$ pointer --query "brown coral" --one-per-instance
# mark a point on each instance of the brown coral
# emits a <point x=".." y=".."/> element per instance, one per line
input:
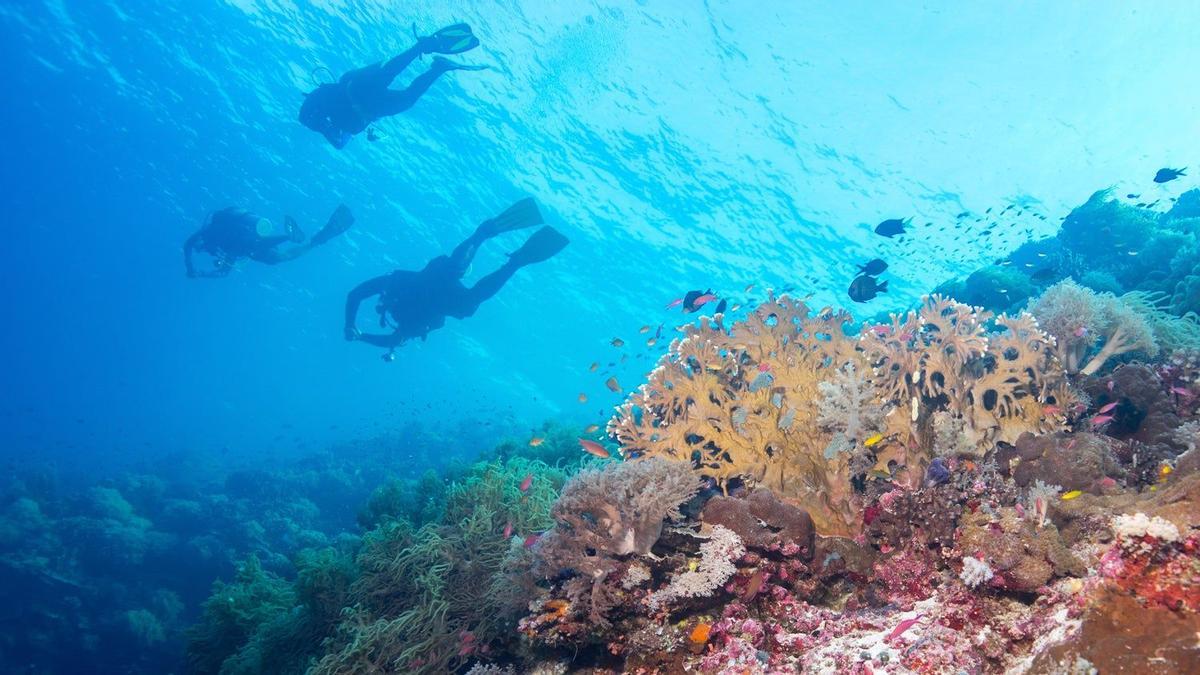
<point x="994" y="387"/>
<point x="763" y="522"/>
<point x="741" y="405"/>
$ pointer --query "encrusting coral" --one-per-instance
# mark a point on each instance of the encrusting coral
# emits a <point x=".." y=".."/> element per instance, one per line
<point x="739" y="405"/>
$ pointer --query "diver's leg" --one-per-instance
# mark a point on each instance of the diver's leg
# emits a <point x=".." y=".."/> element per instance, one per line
<point x="395" y="102"/>
<point x="466" y="302"/>
<point x="397" y="65"/>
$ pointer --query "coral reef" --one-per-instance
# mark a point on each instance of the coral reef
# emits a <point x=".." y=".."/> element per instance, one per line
<point x="735" y="405"/>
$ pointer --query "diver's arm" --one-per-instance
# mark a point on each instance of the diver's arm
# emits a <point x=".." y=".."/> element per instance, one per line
<point x="361" y="292"/>
<point x="381" y="340"/>
<point x="188" y="247"/>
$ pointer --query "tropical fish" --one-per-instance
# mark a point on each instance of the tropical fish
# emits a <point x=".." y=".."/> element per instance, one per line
<point x="617" y="342"/>
<point x="873" y="440"/>
<point x="675" y="303"/>
<point x="1107" y="407"/>
<point x="754" y="585"/>
<point x="524" y="486"/>
<point x="748" y="288"/>
<point x="612" y="384"/>
<point x="1068" y="496"/>
<point x="594" y="448"/>
<point x="582" y="397"/>
<point x="873" y="268"/>
<point x="1051" y="410"/>
<point x="536" y="441"/>
<point x="1167" y="175"/>
<point x="594" y="367"/>
<point x="903" y="626"/>
<point x="644" y="329"/>
<point x="1080" y="332"/>
<point x="699" y="634"/>
<point x="592" y="428"/>
<point x="693" y="303"/>
<point x="530" y="540"/>
<point x="721" y="306"/>
<point x="865" y="288"/>
<point x="892" y="227"/>
<point x="1101" y="419"/>
<point x="650" y="342"/>
<point x="1180" y="391"/>
<point x="508" y="529"/>
<point x="880" y="330"/>
<point x="764" y="367"/>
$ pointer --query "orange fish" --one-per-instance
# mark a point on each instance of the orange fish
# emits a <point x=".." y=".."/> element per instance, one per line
<point x="612" y="384"/>
<point x="594" y="448"/>
<point x="524" y="486"/>
<point x="530" y="540"/>
<point x="536" y="441"/>
<point x="582" y="398"/>
<point x="593" y="428"/>
<point x="508" y="529"/>
<point x="699" y="634"/>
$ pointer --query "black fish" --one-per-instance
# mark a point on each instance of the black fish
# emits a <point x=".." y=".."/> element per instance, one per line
<point x="689" y="300"/>
<point x="1168" y="175"/>
<point x="1044" y="275"/>
<point x="1131" y="196"/>
<point x="892" y="227"/>
<point x="865" y="288"/>
<point x="873" y="268"/>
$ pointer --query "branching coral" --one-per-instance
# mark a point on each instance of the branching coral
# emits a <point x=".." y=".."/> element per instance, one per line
<point x="740" y="405"/>
<point x="1080" y="318"/>
<point x="956" y="385"/>
<point x="717" y="556"/>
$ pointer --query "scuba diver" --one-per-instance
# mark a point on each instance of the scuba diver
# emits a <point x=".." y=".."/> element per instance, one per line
<point x="347" y="107"/>
<point x="414" y="303"/>
<point x="232" y="234"/>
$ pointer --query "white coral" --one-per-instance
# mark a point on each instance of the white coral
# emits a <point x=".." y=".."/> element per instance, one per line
<point x="975" y="572"/>
<point x="636" y="575"/>
<point x="1137" y="525"/>
<point x="717" y="556"/>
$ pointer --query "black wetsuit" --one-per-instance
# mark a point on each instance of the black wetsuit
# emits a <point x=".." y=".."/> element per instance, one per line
<point x="360" y="97"/>
<point x="230" y="235"/>
<point x="414" y="303"/>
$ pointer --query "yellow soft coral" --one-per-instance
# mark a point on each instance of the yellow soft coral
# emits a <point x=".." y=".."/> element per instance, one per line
<point x="742" y="404"/>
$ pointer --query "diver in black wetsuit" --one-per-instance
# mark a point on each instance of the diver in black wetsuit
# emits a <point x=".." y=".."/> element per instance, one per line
<point x="414" y="303"/>
<point x="232" y="234"/>
<point x="347" y="107"/>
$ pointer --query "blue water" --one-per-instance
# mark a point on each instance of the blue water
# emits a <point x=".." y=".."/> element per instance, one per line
<point x="678" y="145"/>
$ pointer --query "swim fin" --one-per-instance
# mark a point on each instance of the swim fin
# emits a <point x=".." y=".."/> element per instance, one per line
<point x="519" y="216"/>
<point x="454" y="39"/>
<point x="541" y="245"/>
<point x="339" y="222"/>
